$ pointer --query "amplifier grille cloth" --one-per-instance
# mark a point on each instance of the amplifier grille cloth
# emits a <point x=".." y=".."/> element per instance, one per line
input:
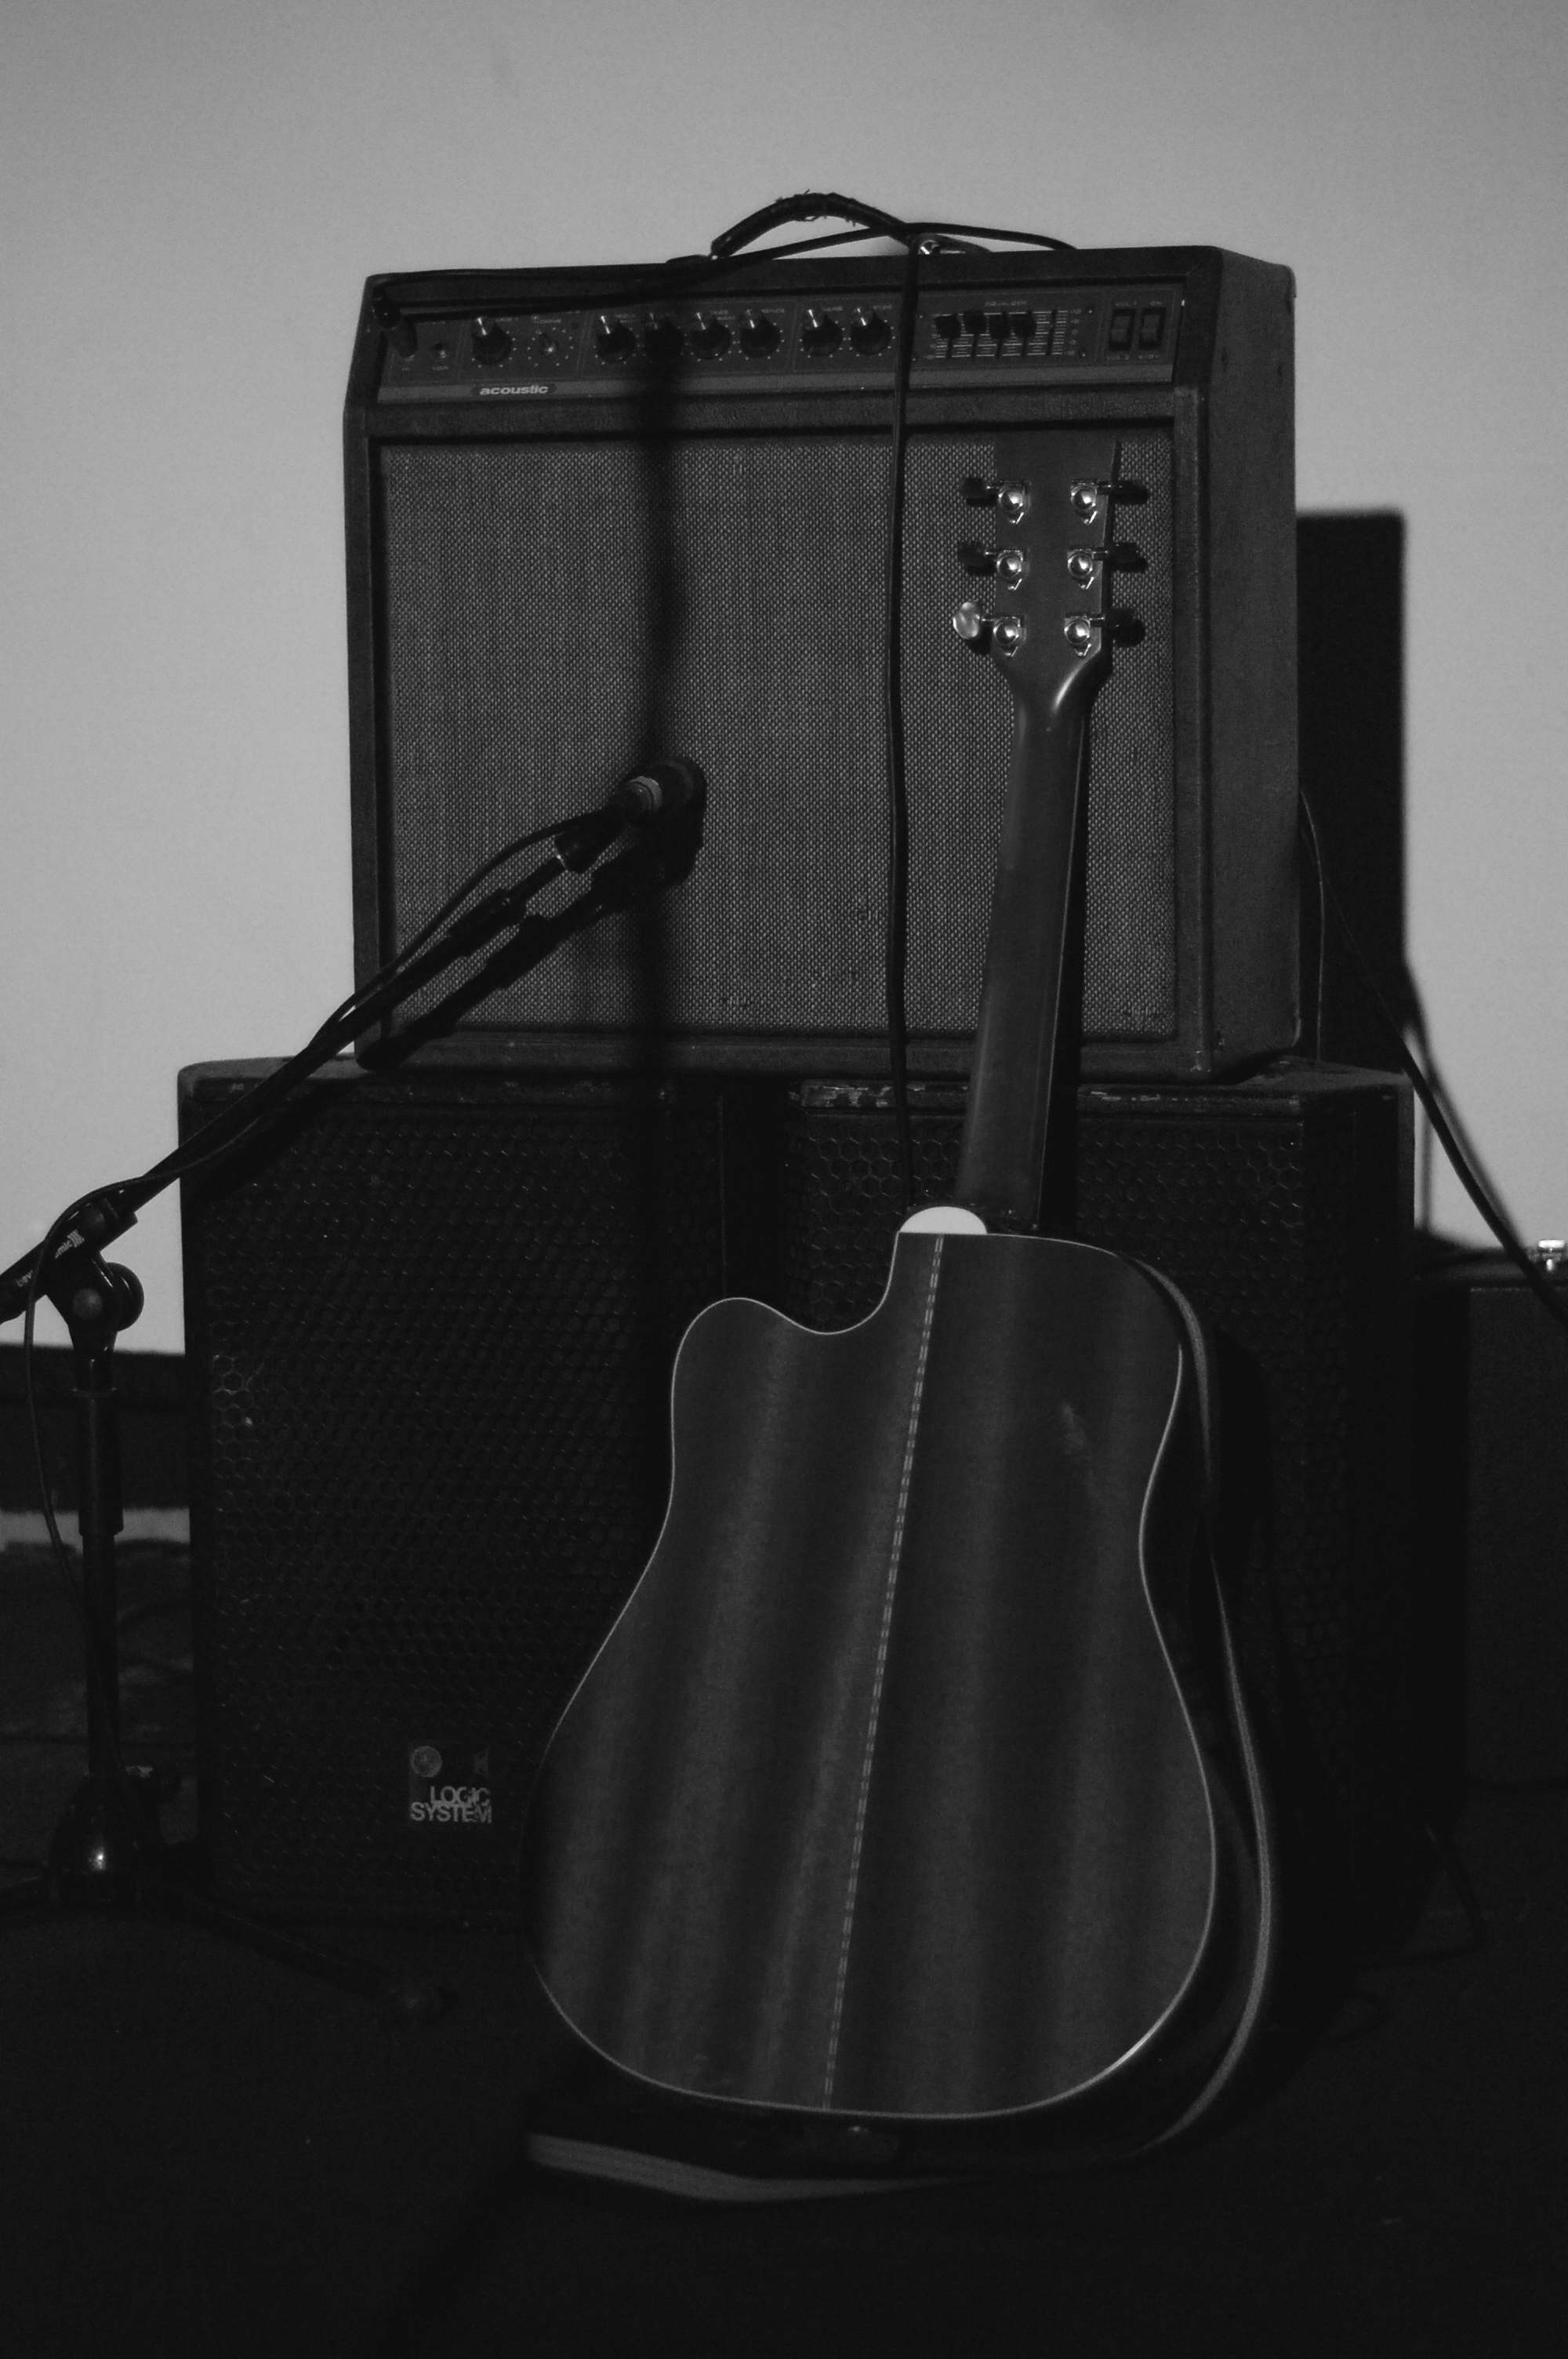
<point x="520" y="590"/>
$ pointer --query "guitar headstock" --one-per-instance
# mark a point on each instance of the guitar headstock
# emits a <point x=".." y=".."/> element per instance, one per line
<point x="1050" y="623"/>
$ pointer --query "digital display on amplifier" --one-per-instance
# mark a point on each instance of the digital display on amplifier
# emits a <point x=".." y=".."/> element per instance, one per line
<point x="1112" y="334"/>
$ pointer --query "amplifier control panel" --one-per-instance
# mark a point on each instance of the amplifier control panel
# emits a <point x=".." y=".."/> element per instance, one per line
<point x="972" y="336"/>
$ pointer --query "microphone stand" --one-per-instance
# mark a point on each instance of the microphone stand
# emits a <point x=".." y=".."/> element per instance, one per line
<point x="107" y="1851"/>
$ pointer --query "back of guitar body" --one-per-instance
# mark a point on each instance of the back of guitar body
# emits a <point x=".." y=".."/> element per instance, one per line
<point x="958" y="1823"/>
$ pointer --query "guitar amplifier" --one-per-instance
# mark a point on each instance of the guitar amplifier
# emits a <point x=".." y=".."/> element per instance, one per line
<point x="595" y="515"/>
<point x="430" y="1323"/>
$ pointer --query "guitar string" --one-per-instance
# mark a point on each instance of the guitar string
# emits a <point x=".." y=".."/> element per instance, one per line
<point x="883" y="1637"/>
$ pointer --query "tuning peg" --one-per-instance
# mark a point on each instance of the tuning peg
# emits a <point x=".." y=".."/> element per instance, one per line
<point x="1088" y="498"/>
<point x="1010" y="500"/>
<point x="1087" y="565"/>
<point x="988" y="635"/>
<point x="1083" y="632"/>
<point x="1009" y="566"/>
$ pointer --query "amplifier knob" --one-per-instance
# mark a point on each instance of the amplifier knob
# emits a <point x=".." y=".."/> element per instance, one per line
<point x="708" y="338"/>
<point x="490" y="340"/>
<point x="613" y="340"/>
<point x="662" y="340"/>
<point x="870" y="331"/>
<point x="759" y="335"/>
<point x="820" y="332"/>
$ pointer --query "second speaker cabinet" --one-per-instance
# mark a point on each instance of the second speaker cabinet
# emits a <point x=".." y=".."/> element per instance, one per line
<point x="430" y="1326"/>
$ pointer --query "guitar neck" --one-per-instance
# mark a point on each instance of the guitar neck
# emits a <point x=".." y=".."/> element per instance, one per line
<point x="1049" y="635"/>
<point x="1012" y="1074"/>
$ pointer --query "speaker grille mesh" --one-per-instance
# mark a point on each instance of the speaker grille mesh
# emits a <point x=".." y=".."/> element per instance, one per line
<point x="534" y="589"/>
<point x="434" y="1330"/>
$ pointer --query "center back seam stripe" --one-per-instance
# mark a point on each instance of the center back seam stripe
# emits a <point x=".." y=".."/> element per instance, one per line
<point x="895" y="1553"/>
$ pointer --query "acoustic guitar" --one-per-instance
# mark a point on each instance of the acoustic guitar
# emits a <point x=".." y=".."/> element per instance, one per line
<point x="909" y="1815"/>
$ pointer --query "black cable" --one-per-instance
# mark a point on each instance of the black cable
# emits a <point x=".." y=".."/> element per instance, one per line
<point x="1308" y="827"/>
<point x="915" y="237"/>
<point x="451" y="905"/>
<point x="1447" y="1133"/>
<point x="226" y="1128"/>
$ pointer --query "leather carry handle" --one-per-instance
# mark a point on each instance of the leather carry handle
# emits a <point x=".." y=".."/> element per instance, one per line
<point x="810" y="205"/>
<point x="827" y="204"/>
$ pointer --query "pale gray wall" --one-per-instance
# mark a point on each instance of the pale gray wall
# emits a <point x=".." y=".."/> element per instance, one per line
<point x="192" y="194"/>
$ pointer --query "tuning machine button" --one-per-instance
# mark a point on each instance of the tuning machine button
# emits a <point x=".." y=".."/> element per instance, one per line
<point x="1087" y="565"/>
<point x="1088" y="498"/>
<point x="988" y="635"/>
<point x="1011" y="501"/>
<point x="1008" y="566"/>
<point x="1083" y="632"/>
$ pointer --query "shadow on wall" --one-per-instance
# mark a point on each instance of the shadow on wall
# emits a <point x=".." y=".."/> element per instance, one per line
<point x="1350" y="596"/>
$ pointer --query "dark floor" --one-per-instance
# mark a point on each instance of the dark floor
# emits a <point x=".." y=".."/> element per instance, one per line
<point x="206" y="2152"/>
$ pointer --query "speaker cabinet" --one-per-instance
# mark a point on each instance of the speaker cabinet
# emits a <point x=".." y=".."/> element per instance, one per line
<point x="431" y="1324"/>
<point x="594" y="515"/>
<point x="1492" y="1521"/>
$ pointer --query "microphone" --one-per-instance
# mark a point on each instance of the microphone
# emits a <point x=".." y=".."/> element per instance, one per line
<point x="657" y="791"/>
